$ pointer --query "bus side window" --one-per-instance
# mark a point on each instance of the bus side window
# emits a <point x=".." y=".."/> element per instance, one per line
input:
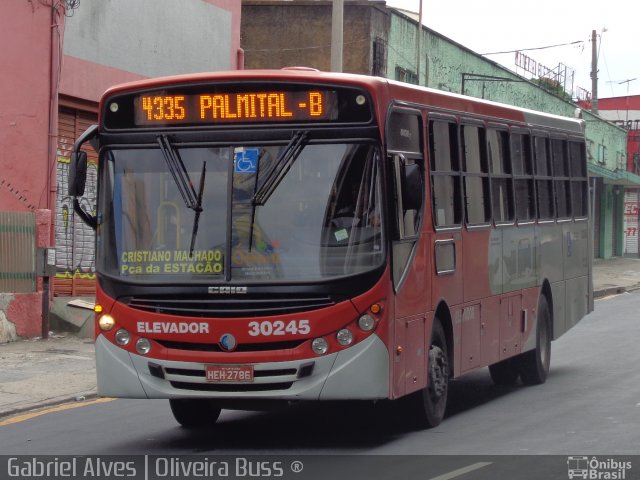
<point x="501" y="180"/>
<point x="476" y="175"/>
<point x="579" y="186"/>
<point x="445" y="173"/>
<point x="561" y="180"/>
<point x="544" y="178"/>
<point x="523" y="177"/>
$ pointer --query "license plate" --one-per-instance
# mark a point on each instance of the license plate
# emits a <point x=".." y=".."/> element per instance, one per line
<point x="229" y="373"/>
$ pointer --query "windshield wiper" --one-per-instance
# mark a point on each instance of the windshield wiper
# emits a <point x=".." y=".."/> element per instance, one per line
<point x="280" y="168"/>
<point x="198" y="208"/>
<point x="191" y="198"/>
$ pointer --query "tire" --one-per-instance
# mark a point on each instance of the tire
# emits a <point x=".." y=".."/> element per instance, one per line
<point x="430" y="403"/>
<point x="195" y="412"/>
<point x="534" y="365"/>
<point x="504" y="373"/>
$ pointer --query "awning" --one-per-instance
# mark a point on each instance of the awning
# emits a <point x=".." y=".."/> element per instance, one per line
<point x="614" y="177"/>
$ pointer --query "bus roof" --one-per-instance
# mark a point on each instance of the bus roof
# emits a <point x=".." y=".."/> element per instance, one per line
<point x="391" y="90"/>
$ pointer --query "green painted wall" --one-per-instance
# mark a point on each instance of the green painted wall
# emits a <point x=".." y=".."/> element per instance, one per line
<point x="443" y="65"/>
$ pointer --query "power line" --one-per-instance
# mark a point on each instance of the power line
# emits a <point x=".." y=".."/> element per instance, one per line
<point x="535" y="48"/>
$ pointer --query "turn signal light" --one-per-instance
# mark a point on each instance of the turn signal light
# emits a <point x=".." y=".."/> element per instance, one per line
<point x="375" y="308"/>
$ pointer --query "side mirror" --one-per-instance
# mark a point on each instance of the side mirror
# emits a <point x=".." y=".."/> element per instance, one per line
<point x="412" y="186"/>
<point x="77" y="173"/>
<point x="78" y="165"/>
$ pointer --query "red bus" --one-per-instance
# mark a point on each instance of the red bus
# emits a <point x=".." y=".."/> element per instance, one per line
<point x="293" y="235"/>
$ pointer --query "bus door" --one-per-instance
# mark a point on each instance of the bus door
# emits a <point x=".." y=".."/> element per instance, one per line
<point x="409" y="259"/>
<point x="446" y="205"/>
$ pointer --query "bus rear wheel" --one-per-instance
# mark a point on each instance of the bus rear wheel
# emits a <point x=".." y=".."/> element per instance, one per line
<point x="195" y="412"/>
<point x="430" y="403"/>
<point x="534" y="364"/>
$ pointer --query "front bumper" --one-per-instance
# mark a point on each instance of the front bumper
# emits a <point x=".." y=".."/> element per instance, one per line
<point x="360" y="372"/>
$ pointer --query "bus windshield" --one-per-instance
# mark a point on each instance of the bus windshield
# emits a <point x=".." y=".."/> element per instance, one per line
<point x="190" y="214"/>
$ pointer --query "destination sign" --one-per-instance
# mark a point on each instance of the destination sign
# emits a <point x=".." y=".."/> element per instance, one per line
<point x="235" y="104"/>
<point x="235" y="107"/>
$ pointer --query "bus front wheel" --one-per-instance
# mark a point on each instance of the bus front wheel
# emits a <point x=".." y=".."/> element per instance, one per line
<point x="431" y="401"/>
<point x="195" y="412"/>
<point x="534" y="364"/>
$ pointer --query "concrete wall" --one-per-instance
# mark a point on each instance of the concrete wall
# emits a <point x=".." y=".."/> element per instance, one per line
<point x="104" y="42"/>
<point x="285" y="34"/>
<point x="24" y="95"/>
<point x="114" y="41"/>
<point x="30" y="33"/>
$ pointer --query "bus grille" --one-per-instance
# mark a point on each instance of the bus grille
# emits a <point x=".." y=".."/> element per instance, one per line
<point x="265" y="380"/>
<point x="231" y="387"/>
<point x="228" y="307"/>
<point x="246" y="347"/>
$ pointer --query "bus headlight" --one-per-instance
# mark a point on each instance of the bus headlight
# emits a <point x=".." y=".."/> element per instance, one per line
<point x="123" y="337"/>
<point x="106" y="323"/>
<point x="319" y="346"/>
<point x="366" y="322"/>
<point x="344" y="337"/>
<point x="143" y="346"/>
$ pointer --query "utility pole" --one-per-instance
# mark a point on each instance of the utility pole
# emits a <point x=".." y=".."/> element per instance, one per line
<point x="419" y="43"/>
<point x="594" y="72"/>
<point x="337" y="14"/>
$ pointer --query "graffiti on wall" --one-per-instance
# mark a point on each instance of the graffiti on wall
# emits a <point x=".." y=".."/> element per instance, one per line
<point x="75" y="247"/>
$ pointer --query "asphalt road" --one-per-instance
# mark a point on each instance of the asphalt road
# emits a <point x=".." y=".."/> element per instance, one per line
<point x="590" y="405"/>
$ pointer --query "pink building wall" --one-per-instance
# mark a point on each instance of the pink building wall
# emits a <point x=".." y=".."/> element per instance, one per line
<point x="31" y="33"/>
<point x="89" y="80"/>
<point x="25" y="95"/>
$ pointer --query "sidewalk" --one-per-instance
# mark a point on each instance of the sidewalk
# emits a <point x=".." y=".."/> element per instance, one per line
<point x="41" y="373"/>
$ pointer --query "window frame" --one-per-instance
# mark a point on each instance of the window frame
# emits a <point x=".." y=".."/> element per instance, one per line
<point x="545" y="178"/>
<point x="524" y="176"/>
<point x="483" y="174"/>
<point x="454" y="172"/>
<point x="559" y="177"/>
<point x="580" y="177"/>
<point x="502" y="130"/>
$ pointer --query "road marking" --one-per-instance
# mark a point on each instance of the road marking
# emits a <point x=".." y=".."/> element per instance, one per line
<point x="59" y="408"/>
<point x="461" y="471"/>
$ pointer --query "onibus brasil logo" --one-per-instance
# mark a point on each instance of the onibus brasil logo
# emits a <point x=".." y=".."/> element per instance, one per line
<point x="597" y="469"/>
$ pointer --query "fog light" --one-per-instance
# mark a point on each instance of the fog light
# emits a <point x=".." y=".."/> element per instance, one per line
<point x="143" y="346"/>
<point x="123" y="337"/>
<point x="366" y="322"/>
<point x="344" y="337"/>
<point x="319" y="346"/>
<point x="106" y="323"/>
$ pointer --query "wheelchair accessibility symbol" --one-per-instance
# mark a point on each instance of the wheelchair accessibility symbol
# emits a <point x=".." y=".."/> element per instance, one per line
<point x="246" y="161"/>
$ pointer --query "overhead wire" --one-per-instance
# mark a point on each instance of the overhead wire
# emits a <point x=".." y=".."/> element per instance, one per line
<point x="535" y="48"/>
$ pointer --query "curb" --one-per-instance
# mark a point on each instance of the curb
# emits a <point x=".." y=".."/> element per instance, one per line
<point x="605" y="292"/>
<point x="49" y="402"/>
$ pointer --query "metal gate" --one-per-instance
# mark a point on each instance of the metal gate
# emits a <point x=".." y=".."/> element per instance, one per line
<point x="17" y="252"/>
<point x="75" y="264"/>
<point x="631" y="212"/>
